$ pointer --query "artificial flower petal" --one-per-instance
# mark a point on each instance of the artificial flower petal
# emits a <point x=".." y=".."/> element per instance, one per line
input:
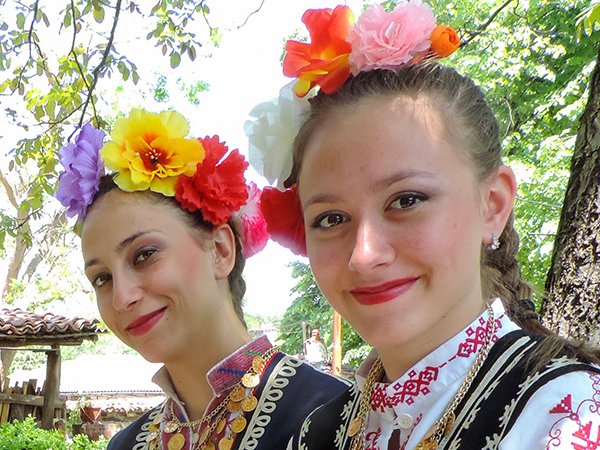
<point x="444" y="41"/>
<point x="218" y="187"/>
<point x="271" y="134"/>
<point x="78" y="184"/>
<point x="285" y="223"/>
<point x="323" y="61"/>
<point x="251" y="224"/>
<point x="384" y="40"/>
<point x="149" y="151"/>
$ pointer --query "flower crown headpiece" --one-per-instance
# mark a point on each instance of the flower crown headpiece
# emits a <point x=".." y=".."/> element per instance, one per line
<point x="338" y="48"/>
<point x="150" y="151"/>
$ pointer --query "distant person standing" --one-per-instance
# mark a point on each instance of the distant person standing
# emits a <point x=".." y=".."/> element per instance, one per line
<point x="315" y="351"/>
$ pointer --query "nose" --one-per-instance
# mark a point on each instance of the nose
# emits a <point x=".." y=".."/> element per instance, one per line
<point x="126" y="292"/>
<point x="371" y="247"/>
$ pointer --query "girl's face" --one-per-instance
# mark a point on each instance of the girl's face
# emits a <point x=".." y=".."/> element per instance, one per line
<point x="395" y="219"/>
<point x="158" y="282"/>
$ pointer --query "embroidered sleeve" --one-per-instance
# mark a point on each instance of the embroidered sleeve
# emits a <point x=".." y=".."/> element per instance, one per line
<point x="563" y="414"/>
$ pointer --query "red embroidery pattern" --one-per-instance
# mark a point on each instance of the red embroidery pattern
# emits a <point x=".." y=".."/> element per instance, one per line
<point x="371" y="440"/>
<point x="586" y="437"/>
<point x="418" y="382"/>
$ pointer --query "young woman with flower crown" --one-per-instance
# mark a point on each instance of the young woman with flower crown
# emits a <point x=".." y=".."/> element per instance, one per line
<point x="397" y="194"/>
<point x="164" y="240"/>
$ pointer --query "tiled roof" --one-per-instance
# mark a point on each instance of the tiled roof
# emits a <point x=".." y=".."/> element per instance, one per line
<point x="17" y="324"/>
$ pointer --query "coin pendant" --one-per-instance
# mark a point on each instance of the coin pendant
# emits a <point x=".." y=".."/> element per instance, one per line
<point x="234" y="406"/>
<point x="249" y="403"/>
<point x="176" y="442"/>
<point x="171" y="427"/>
<point x="157" y="419"/>
<point x="237" y="393"/>
<point x="226" y="443"/>
<point x="153" y="445"/>
<point x="354" y="426"/>
<point x="250" y="380"/>
<point x="153" y="427"/>
<point x="427" y="444"/>
<point x="221" y="425"/>
<point x="152" y="436"/>
<point x="257" y="363"/>
<point x="208" y="446"/>
<point x="238" y="424"/>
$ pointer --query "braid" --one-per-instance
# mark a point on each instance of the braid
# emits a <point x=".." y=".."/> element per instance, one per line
<point x="237" y="284"/>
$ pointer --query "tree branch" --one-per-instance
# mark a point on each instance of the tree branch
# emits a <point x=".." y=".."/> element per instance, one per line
<point x="100" y="66"/>
<point x="9" y="191"/>
<point x="251" y="14"/>
<point x="482" y="27"/>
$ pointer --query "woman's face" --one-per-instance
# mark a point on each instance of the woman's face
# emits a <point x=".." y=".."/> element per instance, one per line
<point x="158" y="282"/>
<point x="395" y="219"/>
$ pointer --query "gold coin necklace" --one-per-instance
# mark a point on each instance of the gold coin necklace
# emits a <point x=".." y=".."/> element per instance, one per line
<point x="444" y="424"/>
<point x="240" y="399"/>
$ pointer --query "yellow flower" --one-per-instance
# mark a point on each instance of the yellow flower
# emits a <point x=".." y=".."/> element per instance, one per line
<point x="149" y="151"/>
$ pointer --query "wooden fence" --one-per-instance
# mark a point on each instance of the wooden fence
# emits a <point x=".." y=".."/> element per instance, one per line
<point x="18" y="402"/>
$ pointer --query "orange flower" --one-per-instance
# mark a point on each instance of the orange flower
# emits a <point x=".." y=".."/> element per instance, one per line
<point x="444" y="41"/>
<point x="323" y="61"/>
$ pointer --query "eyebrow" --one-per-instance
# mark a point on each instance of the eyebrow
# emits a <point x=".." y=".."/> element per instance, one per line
<point x="377" y="185"/>
<point x="124" y="243"/>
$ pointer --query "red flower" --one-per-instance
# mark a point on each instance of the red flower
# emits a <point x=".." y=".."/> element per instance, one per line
<point x="323" y="61"/>
<point x="283" y="214"/>
<point x="218" y="188"/>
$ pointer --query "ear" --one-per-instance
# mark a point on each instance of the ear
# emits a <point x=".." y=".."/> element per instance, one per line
<point x="499" y="199"/>
<point x="224" y="250"/>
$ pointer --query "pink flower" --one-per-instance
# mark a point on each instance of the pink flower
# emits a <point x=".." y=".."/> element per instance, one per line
<point x="251" y="224"/>
<point x="382" y="40"/>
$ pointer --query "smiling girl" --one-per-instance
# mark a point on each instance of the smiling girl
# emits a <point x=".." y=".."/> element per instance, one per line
<point x="404" y="208"/>
<point x="164" y="240"/>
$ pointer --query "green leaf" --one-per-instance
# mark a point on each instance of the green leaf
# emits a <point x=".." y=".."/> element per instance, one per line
<point x="192" y="53"/>
<point x="175" y="59"/>
<point x="99" y="15"/>
<point x="20" y="21"/>
<point x="67" y="19"/>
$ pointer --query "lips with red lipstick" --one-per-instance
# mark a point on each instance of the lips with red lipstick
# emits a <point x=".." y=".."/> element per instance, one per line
<point x="145" y="323"/>
<point x="382" y="293"/>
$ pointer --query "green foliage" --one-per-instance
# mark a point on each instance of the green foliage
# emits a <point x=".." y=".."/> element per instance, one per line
<point x="588" y="20"/>
<point x="310" y="307"/>
<point x="82" y="442"/>
<point x="26" y="435"/>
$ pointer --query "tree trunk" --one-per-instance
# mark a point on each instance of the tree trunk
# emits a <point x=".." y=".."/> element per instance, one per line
<point x="572" y="304"/>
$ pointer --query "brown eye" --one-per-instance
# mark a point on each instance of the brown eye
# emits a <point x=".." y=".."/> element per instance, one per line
<point x="143" y="255"/>
<point x="100" y="280"/>
<point x="406" y="201"/>
<point x="329" y="220"/>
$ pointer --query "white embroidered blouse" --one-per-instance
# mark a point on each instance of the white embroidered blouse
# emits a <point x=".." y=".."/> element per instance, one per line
<point x="563" y="414"/>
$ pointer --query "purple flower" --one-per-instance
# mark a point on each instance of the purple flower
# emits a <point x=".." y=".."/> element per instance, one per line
<point x="83" y="169"/>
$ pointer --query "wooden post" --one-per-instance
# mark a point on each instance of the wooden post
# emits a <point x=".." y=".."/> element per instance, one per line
<point x="336" y="361"/>
<point x="51" y="387"/>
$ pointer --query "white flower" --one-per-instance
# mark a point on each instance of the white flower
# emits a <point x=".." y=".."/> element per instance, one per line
<point x="271" y="134"/>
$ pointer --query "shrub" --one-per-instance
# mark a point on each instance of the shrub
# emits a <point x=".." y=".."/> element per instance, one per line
<point x="25" y="435"/>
